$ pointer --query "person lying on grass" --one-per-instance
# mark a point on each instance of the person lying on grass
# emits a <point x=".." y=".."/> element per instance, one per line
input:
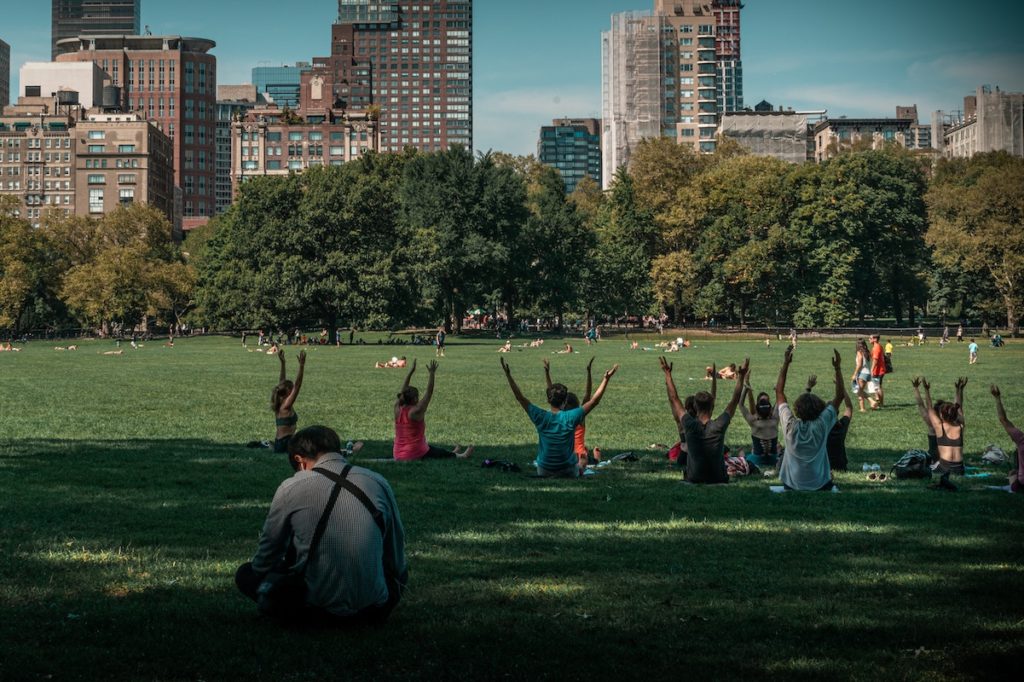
<point x="571" y="403"/>
<point x="556" y="429"/>
<point x="410" y="425"/>
<point x="1016" y="477"/>
<point x="806" y="427"/>
<point x="704" y="456"/>
<point x="352" y="558"/>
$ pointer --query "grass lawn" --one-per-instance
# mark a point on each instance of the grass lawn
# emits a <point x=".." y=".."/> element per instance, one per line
<point x="128" y="500"/>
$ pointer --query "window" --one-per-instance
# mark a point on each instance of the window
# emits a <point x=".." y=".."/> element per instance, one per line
<point x="95" y="201"/>
<point x="126" y="196"/>
<point x="294" y="136"/>
<point x="125" y="149"/>
<point x="316" y="137"/>
<point x="273" y="165"/>
<point x="96" y="149"/>
<point x="126" y="179"/>
<point x="97" y="180"/>
<point x="273" y="137"/>
<point x="97" y="134"/>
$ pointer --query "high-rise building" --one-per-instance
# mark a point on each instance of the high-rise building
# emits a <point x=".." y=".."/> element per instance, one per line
<point x="5" y="74"/>
<point x="992" y="120"/>
<point x="233" y="102"/>
<point x="573" y="146"/>
<point x="410" y="63"/>
<point x="171" y="80"/>
<point x="670" y="72"/>
<point x="73" y="18"/>
<point x="280" y="84"/>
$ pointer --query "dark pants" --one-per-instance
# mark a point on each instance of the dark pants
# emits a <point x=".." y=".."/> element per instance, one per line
<point x="248" y="582"/>
<point x="438" y="453"/>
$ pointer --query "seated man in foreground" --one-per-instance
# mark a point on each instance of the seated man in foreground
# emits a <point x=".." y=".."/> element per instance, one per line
<point x="336" y="524"/>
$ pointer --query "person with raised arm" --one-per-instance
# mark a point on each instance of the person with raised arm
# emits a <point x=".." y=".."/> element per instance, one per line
<point x="1016" y="477"/>
<point x="948" y="424"/>
<point x="703" y="435"/>
<point x="556" y="428"/>
<point x="410" y="425"/>
<point x="806" y="427"/>
<point x="925" y="408"/>
<point x="282" y="402"/>
<point x="763" y="419"/>
<point x="572" y="402"/>
<point x="835" y="446"/>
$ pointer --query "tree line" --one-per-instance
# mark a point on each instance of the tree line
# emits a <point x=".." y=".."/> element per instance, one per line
<point x="392" y="240"/>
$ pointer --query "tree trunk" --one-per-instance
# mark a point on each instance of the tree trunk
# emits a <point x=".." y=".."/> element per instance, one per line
<point x="1011" y="317"/>
<point x="897" y="308"/>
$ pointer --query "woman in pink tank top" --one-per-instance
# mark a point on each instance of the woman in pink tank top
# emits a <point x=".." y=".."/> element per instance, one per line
<point x="410" y="427"/>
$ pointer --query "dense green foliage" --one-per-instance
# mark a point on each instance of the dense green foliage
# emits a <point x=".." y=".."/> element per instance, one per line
<point x="389" y="241"/>
<point x="129" y="500"/>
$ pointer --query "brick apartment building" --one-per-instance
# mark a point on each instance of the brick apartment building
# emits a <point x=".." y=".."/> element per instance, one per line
<point x="171" y="80"/>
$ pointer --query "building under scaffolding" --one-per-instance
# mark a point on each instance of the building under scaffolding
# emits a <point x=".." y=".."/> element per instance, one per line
<point x="630" y="87"/>
<point x="992" y="120"/>
<point x="785" y="135"/>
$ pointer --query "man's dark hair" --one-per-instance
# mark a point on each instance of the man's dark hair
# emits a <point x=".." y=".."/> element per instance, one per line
<point x="314" y="440"/>
<point x="703" y="402"/>
<point x="690" y="406"/>
<point x="808" y="407"/>
<point x="571" y="401"/>
<point x="557" y="394"/>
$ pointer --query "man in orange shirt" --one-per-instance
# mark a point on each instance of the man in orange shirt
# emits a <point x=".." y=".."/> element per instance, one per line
<point x="877" y="370"/>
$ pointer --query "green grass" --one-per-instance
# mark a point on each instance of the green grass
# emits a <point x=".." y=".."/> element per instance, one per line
<point x="128" y="500"/>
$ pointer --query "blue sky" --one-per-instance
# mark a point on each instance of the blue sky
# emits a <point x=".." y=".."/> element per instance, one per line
<point x="538" y="59"/>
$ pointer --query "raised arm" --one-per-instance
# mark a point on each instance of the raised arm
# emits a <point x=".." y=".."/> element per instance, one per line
<point x="780" y="383"/>
<point x="714" y="386"/>
<point x="751" y="405"/>
<point x="284" y="375"/>
<point x="922" y="409"/>
<point x="547" y="373"/>
<point x="419" y="410"/>
<point x="515" y="388"/>
<point x="599" y="393"/>
<point x="673" y="396"/>
<point x="847" y="404"/>
<point x="1000" y="410"/>
<point x="590" y="381"/>
<point x="737" y="392"/>
<point x="960" y="384"/>
<point x="408" y="377"/>
<point x="290" y="400"/>
<point x="837" y="364"/>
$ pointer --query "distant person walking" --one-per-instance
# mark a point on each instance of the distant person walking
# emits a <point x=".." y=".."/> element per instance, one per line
<point x="972" y="351"/>
<point x="877" y="371"/>
<point x="441" y="336"/>
<point x="960" y="333"/>
<point x="862" y="372"/>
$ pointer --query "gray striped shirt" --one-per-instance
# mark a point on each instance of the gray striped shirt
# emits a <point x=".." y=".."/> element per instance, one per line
<point x="353" y="561"/>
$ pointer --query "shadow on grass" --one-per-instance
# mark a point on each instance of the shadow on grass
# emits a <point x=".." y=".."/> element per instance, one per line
<point x="116" y="561"/>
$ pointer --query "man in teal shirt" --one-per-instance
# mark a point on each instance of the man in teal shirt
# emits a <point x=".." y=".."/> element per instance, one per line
<point x="555" y="429"/>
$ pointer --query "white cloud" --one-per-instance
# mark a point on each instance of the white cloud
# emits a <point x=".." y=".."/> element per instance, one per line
<point x="510" y="120"/>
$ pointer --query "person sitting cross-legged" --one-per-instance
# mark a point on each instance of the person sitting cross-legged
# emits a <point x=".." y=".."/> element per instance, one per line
<point x="806" y="427"/>
<point x="704" y="436"/>
<point x="556" y="428"/>
<point x="339" y="525"/>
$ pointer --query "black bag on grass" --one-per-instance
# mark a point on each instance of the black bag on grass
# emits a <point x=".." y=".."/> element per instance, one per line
<point x="914" y="464"/>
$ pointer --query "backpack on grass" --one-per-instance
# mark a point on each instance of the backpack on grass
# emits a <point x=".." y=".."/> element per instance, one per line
<point x="914" y="464"/>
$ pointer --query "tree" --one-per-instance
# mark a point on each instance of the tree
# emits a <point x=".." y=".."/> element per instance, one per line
<point x="465" y="214"/>
<point x="976" y="211"/>
<point x="621" y="282"/>
<point x="22" y="266"/>
<point x="120" y="269"/>
<point x="555" y="243"/>
<point x="323" y="247"/>
<point x="660" y="167"/>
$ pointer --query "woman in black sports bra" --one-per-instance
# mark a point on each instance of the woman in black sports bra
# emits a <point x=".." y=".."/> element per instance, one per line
<point x="282" y="402"/>
<point x="948" y="422"/>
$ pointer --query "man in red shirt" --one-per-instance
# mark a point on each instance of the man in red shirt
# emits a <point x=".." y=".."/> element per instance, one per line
<point x="877" y="369"/>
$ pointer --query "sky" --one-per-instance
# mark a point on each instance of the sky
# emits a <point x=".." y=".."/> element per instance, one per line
<point x="535" y="60"/>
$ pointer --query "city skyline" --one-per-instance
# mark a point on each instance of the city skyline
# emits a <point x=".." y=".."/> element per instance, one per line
<point x="535" y="61"/>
